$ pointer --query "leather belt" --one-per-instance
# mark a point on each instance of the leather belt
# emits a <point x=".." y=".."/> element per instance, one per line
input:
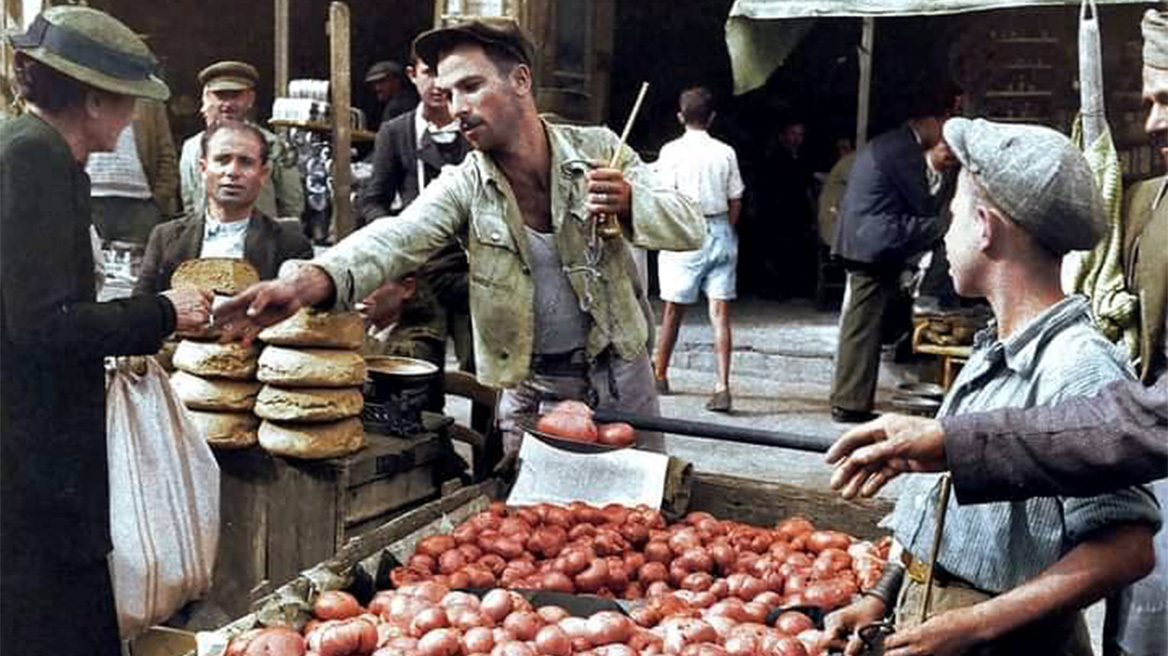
<point x="918" y="571"/>
<point x="572" y="363"/>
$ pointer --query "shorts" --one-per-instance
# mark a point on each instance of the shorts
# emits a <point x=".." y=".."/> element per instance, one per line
<point x="713" y="269"/>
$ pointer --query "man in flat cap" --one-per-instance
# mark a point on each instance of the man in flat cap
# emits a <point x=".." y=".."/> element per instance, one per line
<point x="395" y="97"/>
<point x="1010" y="578"/>
<point x="554" y="304"/>
<point x="229" y="93"/>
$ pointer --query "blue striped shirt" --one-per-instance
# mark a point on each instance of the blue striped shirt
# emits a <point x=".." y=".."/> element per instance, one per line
<point x="998" y="546"/>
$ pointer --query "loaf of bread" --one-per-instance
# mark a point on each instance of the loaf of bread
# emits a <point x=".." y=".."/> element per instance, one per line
<point x="226" y="276"/>
<point x="312" y="328"/>
<point x="286" y="367"/>
<point x="215" y="360"/>
<point x="310" y="441"/>
<point x="308" y="404"/>
<point x="227" y="430"/>
<point x="215" y="393"/>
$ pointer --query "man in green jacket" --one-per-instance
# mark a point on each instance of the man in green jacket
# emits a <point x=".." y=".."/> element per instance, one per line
<point x="554" y="304"/>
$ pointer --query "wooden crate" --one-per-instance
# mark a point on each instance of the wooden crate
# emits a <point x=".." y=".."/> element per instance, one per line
<point x="365" y="557"/>
<point x="279" y="516"/>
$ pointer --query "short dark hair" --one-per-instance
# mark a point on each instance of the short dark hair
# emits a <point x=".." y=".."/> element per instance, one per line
<point x="235" y="126"/>
<point x="697" y="105"/>
<point x="46" y="87"/>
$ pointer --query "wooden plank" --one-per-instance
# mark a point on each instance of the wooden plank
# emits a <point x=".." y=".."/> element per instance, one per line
<point x="341" y="73"/>
<point x="281" y="48"/>
<point x="867" y="37"/>
<point x="763" y="504"/>
<point x="241" y="560"/>
<point x="304" y="525"/>
<point x="385" y="495"/>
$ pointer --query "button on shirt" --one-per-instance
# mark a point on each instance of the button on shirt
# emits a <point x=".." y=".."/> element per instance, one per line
<point x="223" y="239"/>
<point x="998" y="546"/>
<point x="702" y="168"/>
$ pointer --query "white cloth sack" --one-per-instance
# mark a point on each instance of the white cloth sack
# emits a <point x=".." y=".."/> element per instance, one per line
<point x="164" y="500"/>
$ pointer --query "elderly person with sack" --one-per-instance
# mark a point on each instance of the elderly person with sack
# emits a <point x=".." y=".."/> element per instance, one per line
<point x="79" y="72"/>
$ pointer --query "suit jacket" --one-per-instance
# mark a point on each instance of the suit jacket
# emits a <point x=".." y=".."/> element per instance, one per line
<point x="54" y="485"/>
<point x="1082" y="447"/>
<point x="888" y="214"/>
<point x="395" y="168"/>
<point x="267" y="245"/>
<point x="156" y="153"/>
<point x="1145" y="253"/>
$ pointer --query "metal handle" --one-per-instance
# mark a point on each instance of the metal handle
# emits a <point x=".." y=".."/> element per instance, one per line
<point x="722" y="432"/>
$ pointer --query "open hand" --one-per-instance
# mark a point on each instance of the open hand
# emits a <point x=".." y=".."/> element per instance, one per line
<point x="872" y="454"/>
<point x="948" y="634"/>
<point x="840" y="627"/>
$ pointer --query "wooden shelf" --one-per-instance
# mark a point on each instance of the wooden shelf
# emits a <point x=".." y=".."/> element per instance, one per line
<point x="319" y="126"/>
<point x="1019" y="94"/>
<point x="1028" y="39"/>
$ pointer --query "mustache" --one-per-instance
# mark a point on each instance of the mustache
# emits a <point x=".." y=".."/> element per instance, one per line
<point x="1158" y="138"/>
<point x="470" y="123"/>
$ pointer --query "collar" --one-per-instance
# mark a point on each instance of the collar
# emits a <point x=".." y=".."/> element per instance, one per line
<point x="422" y="126"/>
<point x="213" y="227"/>
<point x="1159" y="197"/>
<point x="1020" y="351"/>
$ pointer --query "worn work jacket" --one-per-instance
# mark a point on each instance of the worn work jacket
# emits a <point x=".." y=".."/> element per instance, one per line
<point x="474" y="204"/>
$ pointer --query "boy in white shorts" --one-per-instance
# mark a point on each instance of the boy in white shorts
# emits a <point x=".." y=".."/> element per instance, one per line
<point x="706" y="170"/>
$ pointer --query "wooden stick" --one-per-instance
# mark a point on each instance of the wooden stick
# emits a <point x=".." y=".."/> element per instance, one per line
<point x="943" y="506"/>
<point x="629" y="125"/>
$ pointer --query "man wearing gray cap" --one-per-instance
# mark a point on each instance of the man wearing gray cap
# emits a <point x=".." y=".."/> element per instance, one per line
<point x="79" y="71"/>
<point x="229" y="93"/>
<point x="1010" y="578"/>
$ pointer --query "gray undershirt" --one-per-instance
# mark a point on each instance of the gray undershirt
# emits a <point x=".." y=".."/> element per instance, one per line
<point x="560" y="325"/>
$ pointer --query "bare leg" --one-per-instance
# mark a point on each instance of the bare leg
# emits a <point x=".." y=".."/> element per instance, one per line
<point x="670" y="323"/>
<point x="720" y="320"/>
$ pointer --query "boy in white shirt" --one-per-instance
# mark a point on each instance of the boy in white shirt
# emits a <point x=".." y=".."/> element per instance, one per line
<point x="706" y="170"/>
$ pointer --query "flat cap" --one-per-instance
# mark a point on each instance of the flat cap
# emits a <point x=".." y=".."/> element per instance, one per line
<point x="383" y="69"/>
<point x="1037" y="176"/>
<point x="229" y="76"/>
<point x="94" y="48"/>
<point x="500" y="33"/>
<point x="1155" y="28"/>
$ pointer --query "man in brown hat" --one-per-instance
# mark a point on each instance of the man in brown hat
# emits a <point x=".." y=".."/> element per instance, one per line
<point x="554" y="305"/>
<point x="229" y="93"/>
<point x="387" y="80"/>
<point x="79" y="72"/>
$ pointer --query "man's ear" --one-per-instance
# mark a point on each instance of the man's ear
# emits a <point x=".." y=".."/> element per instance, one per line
<point x="680" y="118"/>
<point x="521" y="78"/>
<point x="265" y="171"/>
<point x="409" y="286"/>
<point x="991" y="227"/>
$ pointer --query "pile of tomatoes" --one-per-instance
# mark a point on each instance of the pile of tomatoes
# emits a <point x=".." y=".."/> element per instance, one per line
<point x="707" y="586"/>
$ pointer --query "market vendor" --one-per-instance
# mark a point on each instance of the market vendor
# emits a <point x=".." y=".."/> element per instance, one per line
<point x="79" y="72"/>
<point x="554" y="306"/>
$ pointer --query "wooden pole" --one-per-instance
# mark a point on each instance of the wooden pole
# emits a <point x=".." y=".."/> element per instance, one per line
<point x="282" y="26"/>
<point x="865" y="50"/>
<point x="338" y="27"/>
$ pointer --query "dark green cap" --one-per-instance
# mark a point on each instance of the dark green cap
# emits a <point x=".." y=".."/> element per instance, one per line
<point x="92" y="47"/>
<point x="502" y="33"/>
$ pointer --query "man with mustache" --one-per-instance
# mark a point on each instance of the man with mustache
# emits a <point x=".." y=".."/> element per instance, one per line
<point x="234" y="168"/>
<point x="554" y="303"/>
<point x="229" y="94"/>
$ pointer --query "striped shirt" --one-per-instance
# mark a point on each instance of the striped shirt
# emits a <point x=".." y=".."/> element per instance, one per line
<point x="998" y="546"/>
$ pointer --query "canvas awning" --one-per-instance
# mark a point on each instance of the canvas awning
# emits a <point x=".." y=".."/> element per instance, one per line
<point x="760" y="34"/>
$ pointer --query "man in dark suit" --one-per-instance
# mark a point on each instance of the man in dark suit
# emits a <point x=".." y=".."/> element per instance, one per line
<point x="890" y="212"/>
<point x="234" y="166"/>
<point x="411" y="152"/>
